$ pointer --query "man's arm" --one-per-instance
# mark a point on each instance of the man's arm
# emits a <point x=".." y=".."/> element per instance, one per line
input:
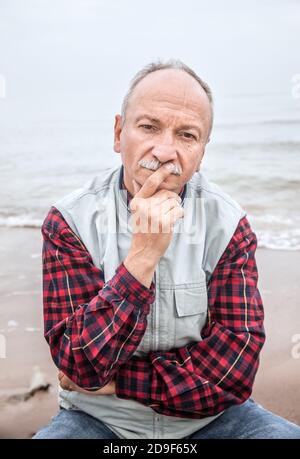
<point x="204" y="378"/>
<point x="91" y="327"/>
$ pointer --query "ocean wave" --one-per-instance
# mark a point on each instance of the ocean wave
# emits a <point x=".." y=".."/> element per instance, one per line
<point x="288" y="239"/>
<point x="272" y="219"/>
<point x="277" y="242"/>
<point x="20" y="221"/>
<point x="264" y="122"/>
<point x="288" y="186"/>
<point x="290" y="146"/>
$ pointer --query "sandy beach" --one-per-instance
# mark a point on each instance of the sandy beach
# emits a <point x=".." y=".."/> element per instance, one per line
<point x="28" y="378"/>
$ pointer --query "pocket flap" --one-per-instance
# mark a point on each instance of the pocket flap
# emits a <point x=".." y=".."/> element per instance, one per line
<point x="191" y="301"/>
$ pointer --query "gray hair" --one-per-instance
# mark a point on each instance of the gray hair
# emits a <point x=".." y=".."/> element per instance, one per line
<point x="160" y="65"/>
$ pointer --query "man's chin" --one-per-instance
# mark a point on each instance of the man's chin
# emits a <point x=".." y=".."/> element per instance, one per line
<point x="169" y="187"/>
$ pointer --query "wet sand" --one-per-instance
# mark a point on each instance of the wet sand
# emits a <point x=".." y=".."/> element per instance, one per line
<point x="28" y="366"/>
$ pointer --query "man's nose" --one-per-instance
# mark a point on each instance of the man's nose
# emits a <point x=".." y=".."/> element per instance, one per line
<point x="164" y="151"/>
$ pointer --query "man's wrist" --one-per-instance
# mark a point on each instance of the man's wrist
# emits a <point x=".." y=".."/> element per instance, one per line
<point x="141" y="267"/>
<point x="126" y="285"/>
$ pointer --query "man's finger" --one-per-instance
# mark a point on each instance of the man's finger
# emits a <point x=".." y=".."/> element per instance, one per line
<point x="136" y="187"/>
<point x="63" y="384"/>
<point x="152" y="183"/>
<point x="66" y="383"/>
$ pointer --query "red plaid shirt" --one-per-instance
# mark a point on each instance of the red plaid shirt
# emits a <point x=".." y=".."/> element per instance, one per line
<point x="93" y="328"/>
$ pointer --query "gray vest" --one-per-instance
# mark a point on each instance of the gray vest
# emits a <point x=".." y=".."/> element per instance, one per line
<point x="98" y="214"/>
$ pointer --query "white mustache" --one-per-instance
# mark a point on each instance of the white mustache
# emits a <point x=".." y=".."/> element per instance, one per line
<point x="154" y="165"/>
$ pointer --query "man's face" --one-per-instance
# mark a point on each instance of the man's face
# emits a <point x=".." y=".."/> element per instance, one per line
<point x="167" y="120"/>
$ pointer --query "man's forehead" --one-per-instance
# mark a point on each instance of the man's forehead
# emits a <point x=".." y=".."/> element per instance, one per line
<point x="167" y="75"/>
<point x="167" y="79"/>
<point x="171" y="88"/>
<point x="170" y="107"/>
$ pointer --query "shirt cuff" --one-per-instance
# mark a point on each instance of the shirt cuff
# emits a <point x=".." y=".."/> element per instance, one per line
<point x="132" y="381"/>
<point x="129" y="287"/>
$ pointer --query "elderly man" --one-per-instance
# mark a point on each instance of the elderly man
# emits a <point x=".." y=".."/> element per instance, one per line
<point x="151" y="306"/>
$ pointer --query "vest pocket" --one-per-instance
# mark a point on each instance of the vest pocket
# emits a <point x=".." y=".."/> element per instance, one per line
<point x="190" y="314"/>
<point x="191" y="301"/>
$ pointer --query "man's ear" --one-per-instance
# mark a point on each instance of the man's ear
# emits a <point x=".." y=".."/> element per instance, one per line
<point x="117" y="133"/>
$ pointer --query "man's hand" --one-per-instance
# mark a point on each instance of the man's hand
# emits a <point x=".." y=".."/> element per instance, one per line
<point x="67" y="384"/>
<point x="154" y="215"/>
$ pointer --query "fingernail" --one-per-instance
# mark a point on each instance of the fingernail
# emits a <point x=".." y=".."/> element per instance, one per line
<point x="169" y="166"/>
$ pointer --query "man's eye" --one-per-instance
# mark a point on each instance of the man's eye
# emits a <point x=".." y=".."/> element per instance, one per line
<point x="188" y="135"/>
<point x="148" y="127"/>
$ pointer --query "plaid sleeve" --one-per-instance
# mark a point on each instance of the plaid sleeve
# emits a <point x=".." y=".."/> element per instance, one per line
<point x="91" y="327"/>
<point x="205" y="378"/>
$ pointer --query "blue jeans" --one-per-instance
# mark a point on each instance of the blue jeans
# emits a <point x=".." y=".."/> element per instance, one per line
<point x="249" y="420"/>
